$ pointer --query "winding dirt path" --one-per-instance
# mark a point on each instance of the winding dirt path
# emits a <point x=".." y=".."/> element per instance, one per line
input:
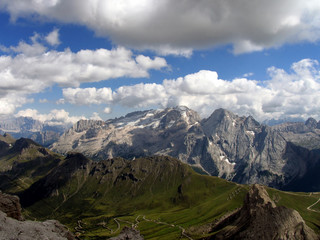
<point x="183" y="231"/>
<point x="309" y="208"/>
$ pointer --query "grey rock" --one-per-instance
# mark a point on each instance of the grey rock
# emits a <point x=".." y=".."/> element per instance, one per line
<point x="30" y="230"/>
<point x="128" y="234"/>
<point x="10" y="205"/>
<point x="12" y="225"/>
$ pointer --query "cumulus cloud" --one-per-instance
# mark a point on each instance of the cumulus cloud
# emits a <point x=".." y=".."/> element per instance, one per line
<point x="29" y="49"/>
<point x="95" y="116"/>
<point x="55" y="117"/>
<point x="176" y="27"/>
<point x="9" y="103"/>
<point x="284" y="95"/>
<point x="32" y="69"/>
<point x="53" y="38"/>
<point x="87" y="96"/>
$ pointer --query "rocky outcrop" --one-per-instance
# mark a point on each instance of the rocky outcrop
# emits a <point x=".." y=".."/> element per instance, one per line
<point x="10" y="205"/>
<point x="12" y="225"/>
<point x="128" y="234"/>
<point x="260" y="218"/>
<point x="29" y="230"/>
<point x="225" y="145"/>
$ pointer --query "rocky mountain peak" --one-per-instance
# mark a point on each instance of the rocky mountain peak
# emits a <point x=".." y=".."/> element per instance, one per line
<point x="178" y="115"/>
<point x="23" y="143"/>
<point x="83" y="125"/>
<point x="220" y="120"/>
<point x="311" y="123"/>
<point x="258" y="197"/>
<point x="251" y="123"/>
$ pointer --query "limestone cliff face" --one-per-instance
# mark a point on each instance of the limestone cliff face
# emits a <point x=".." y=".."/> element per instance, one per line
<point x="225" y="145"/>
<point x="260" y="218"/>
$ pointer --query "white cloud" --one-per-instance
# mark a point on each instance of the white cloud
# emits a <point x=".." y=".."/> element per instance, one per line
<point x="177" y="27"/>
<point x="53" y="38"/>
<point x="107" y="110"/>
<point x="95" y="116"/>
<point x="55" y="117"/>
<point x="9" y="103"/>
<point x="250" y="74"/>
<point x="87" y="96"/>
<point x="32" y="49"/>
<point x="285" y="95"/>
<point x="60" y="101"/>
<point x="141" y="95"/>
<point x="33" y="69"/>
<point x="44" y="100"/>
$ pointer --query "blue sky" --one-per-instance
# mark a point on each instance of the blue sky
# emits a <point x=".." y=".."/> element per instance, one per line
<point x="65" y="60"/>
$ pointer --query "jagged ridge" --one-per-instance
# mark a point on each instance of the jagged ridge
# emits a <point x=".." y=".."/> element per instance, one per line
<point x="226" y="145"/>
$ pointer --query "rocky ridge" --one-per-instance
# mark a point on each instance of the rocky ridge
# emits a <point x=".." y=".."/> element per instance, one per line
<point x="260" y="218"/>
<point x="225" y="145"/>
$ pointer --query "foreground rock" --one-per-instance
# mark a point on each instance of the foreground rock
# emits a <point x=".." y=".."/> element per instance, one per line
<point x="26" y="230"/>
<point x="260" y="218"/>
<point x="128" y="234"/>
<point x="11" y="226"/>
<point x="10" y="205"/>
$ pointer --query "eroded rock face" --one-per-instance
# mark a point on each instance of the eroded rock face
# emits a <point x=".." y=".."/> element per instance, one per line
<point x="10" y="205"/>
<point x="260" y="218"/>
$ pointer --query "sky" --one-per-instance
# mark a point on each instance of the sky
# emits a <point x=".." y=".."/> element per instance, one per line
<point x="61" y="61"/>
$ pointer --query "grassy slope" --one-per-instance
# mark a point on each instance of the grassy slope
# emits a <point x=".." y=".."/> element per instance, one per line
<point x="20" y="169"/>
<point x="299" y="202"/>
<point x="169" y="192"/>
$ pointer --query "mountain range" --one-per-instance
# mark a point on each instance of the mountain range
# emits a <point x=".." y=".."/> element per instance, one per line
<point x="155" y="197"/>
<point x="237" y="148"/>
<point x="28" y="127"/>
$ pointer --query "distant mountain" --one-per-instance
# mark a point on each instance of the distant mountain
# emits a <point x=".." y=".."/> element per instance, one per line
<point x="236" y="148"/>
<point x="27" y="127"/>
<point x="273" y="122"/>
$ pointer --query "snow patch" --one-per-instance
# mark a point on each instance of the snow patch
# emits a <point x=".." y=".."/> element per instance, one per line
<point x="223" y="158"/>
<point x="250" y="133"/>
<point x="170" y="124"/>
